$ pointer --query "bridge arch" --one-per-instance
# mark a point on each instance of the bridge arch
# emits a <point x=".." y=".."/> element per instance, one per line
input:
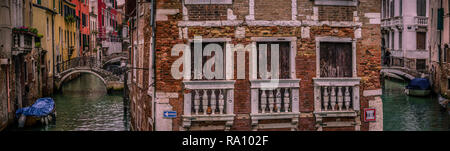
<point x="117" y="59"/>
<point x="61" y="81"/>
<point x="397" y="74"/>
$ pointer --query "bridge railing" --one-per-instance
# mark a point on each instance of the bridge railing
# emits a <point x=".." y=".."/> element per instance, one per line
<point x="85" y="61"/>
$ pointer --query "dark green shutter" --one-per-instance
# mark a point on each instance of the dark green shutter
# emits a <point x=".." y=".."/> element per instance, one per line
<point x="440" y="19"/>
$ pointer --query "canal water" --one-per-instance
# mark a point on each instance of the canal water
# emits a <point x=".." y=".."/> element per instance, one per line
<point x="85" y="105"/>
<point x="404" y="113"/>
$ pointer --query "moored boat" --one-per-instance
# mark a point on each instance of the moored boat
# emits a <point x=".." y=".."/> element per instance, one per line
<point x="418" y="87"/>
<point x="43" y="111"/>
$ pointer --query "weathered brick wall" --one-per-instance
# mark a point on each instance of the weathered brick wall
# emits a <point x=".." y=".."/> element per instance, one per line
<point x="141" y="103"/>
<point x="273" y="10"/>
<point x="333" y="13"/>
<point x="207" y="12"/>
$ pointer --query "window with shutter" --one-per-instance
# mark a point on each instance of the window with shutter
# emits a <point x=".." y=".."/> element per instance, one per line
<point x="421" y="40"/>
<point x="206" y="58"/>
<point x="284" y="64"/>
<point x="336" y="59"/>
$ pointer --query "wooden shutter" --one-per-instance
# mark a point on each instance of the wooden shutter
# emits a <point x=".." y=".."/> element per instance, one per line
<point x="284" y="48"/>
<point x="205" y="58"/>
<point x="421" y="40"/>
<point x="336" y="60"/>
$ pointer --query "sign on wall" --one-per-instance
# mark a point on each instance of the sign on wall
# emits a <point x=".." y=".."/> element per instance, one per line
<point x="170" y="114"/>
<point x="370" y="115"/>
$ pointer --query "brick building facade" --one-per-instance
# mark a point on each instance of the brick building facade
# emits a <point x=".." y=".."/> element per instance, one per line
<point x="329" y="65"/>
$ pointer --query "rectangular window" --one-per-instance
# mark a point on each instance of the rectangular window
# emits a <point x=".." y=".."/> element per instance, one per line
<point x="421" y="7"/>
<point x="336" y="59"/>
<point x="421" y="40"/>
<point x="393" y="40"/>
<point x="284" y="60"/>
<point x="445" y="53"/>
<point x="206" y="58"/>
<point x="420" y="65"/>
<point x="448" y="84"/>
<point x="401" y="8"/>
<point x="83" y="18"/>
<point x="400" y="40"/>
<point x="392" y="8"/>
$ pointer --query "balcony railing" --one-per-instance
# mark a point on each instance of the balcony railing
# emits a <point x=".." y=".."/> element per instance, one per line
<point x="211" y="101"/>
<point x="275" y="100"/>
<point x="421" y="21"/>
<point x="336" y="97"/>
<point x="398" y="21"/>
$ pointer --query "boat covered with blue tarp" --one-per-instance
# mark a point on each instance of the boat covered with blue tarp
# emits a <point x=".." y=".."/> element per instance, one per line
<point x="43" y="109"/>
<point x="418" y="87"/>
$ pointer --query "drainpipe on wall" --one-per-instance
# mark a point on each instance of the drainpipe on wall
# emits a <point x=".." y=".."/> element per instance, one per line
<point x="153" y="22"/>
<point x="8" y="89"/>
<point x="53" y="51"/>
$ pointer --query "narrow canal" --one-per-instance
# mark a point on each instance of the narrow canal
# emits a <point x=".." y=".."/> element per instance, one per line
<point x="404" y="113"/>
<point x="85" y="105"/>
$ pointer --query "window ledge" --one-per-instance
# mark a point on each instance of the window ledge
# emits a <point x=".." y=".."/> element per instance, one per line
<point x="273" y="116"/>
<point x="208" y="2"/>
<point x="279" y="83"/>
<point x="320" y="114"/>
<point x="336" y="2"/>
<point x="213" y="84"/>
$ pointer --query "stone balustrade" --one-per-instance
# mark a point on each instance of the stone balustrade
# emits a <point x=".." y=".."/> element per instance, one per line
<point x="273" y="100"/>
<point x="211" y="101"/>
<point x="336" y="97"/>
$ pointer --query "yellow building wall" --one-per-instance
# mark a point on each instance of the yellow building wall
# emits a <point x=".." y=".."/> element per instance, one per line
<point x="62" y="40"/>
<point x="42" y="21"/>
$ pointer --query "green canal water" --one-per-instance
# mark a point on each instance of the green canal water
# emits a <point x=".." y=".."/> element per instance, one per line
<point x="404" y="113"/>
<point x="85" y="105"/>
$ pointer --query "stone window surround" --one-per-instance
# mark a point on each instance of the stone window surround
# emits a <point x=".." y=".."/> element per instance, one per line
<point x="335" y="40"/>
<point x="228" y="57"/>
<point x="353" y="80"/>
<point x="336" y="2"/>
<point x="293" y="53"/>
<point x="257" y="84"/>
<point x="227" y="85"/>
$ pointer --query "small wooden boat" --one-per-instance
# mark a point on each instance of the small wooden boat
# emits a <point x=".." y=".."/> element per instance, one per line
<point x="418" y="87"/>
<point x="42" y="111"/>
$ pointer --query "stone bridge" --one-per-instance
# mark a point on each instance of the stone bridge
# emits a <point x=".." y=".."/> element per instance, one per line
<point x="89" y="65"/>
<point x="115" y="57"/>
<point x="400" y="73"/>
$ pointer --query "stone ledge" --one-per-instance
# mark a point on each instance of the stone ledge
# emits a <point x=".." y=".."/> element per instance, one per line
<point x="336" y="2"/>
<point x="278" y="83"/>
<point x="198" y="118"/>
<point x="273" y="116"/>
<point x="203" y="85"/>
<point x="320" y="114"/>
<point x="339" y="124"/>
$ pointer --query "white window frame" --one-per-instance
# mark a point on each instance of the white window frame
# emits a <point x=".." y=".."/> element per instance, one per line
<point x="226" y="62"/>
<point x="336" y="2"/>
<point x="254" y="56"/>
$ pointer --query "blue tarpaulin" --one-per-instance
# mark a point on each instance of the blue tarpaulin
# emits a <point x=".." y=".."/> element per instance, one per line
<point x="419" y="84"/>
<point x="42" y="107"/>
